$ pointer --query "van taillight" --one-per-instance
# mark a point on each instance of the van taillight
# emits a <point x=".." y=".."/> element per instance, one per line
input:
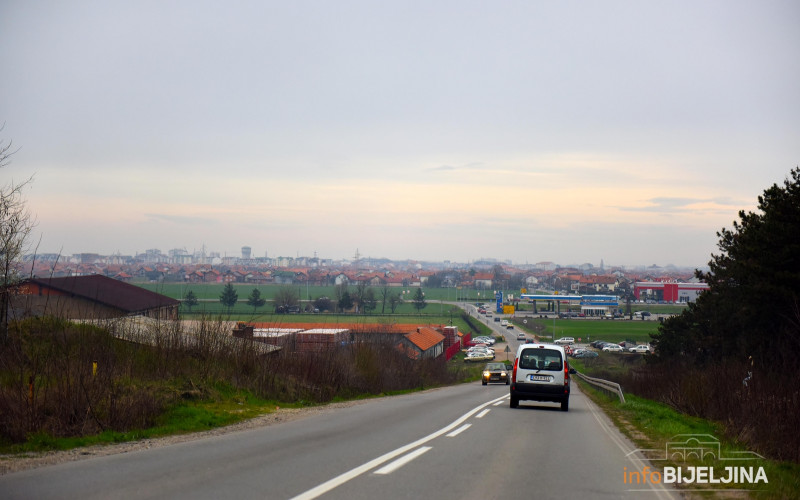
<point x="514" y="373"/>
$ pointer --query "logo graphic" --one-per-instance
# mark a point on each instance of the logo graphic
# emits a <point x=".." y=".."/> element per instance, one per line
<point x="685" y="447"/>
<point x="737" y="467"/>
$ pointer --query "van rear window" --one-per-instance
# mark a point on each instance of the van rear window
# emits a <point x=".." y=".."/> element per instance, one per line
<point x="541" y="359"/>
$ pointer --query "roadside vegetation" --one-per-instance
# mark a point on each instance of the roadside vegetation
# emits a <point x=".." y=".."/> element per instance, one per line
<point x="733" y="356"/>
<point x="64" y="384"/>
<point x="650" y="424"/>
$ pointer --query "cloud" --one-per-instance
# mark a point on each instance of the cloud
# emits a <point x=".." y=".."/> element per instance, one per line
<point x="684" y="205"/>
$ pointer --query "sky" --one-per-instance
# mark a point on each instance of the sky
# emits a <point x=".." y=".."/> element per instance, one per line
<point x="526" y="131"/>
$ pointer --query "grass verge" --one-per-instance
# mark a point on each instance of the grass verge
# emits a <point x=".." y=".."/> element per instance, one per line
<point x="650" y="425"/>
<point x="224" y="407"/>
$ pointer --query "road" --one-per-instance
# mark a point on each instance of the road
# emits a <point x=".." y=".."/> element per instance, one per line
<point x="460" y="442"/>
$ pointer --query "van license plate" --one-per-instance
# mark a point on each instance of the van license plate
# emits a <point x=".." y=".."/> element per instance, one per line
<point x="540" y="378"/>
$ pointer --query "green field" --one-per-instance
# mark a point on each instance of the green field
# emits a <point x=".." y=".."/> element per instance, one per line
<point x="210" y="292"/>
<point x="588" y="330"/>
<point x="310" y="292"/>
<point x="434" y="313"/>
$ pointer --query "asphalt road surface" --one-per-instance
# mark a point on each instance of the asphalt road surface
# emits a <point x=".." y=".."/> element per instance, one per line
<point x="461" y="442"/>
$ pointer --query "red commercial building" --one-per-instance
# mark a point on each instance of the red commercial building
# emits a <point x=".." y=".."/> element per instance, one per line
<point x="668" y="291"/>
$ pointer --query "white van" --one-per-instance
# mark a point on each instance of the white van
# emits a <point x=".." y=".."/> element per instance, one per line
<point x="541" y="373"/>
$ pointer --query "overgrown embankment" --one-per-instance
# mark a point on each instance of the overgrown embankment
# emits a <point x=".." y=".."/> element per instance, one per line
<point x="60" y="379"/>
<point x="752" y="407"/>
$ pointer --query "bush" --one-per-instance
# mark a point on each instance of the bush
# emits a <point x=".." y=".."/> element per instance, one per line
<point x="61" y="379"/>
<point x="755" y="408"/>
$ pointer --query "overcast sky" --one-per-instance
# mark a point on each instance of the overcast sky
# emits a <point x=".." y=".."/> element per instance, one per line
<point x="563" y="131"/>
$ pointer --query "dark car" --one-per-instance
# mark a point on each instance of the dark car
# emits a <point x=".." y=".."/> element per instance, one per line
<point x="586" y="354"/>
<point x="495" y="372"/>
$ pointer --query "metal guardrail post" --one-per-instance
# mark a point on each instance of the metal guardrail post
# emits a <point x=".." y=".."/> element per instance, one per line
<point x="604" y="384"/>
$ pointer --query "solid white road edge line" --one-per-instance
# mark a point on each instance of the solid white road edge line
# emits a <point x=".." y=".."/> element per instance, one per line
<point x="393" y="466"/>
<point x="353" y="473"/>
<point x="638" y="463"/>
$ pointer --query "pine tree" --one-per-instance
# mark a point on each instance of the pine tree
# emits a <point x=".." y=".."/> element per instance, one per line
<point x="346" y="302"/>
<point x="190" y="300"/>
<point x="228" y="297"/>
<point x="752" y="306"/>
<point x="419" y="300"/>
<point x="254" y="300"/>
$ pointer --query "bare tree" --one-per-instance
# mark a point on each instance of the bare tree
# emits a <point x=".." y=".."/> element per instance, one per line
<point x="285" y="298"/>
<point x="16" y="225"/>
<point x="385" y="292"/>
<point x="360" y="295"/>
<point x="395" y="299"/>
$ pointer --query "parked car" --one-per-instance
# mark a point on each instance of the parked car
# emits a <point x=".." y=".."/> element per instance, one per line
<point x="495" y="372"/>
<point x="484" y="340"/>
<point x="487" y="350"/>
<point x="586" y="354"/>
<point x="612" y="348"/>
<point x="565" y="341"/>
<point x="481" y="349"/>
<point x="477" y="356"/>
<point x="541" y="373"/>
<point x="642" y="349"/>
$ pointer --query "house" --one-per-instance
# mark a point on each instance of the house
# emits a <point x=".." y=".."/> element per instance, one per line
<point x="416" y="342"/>
<point x="483" y="280"/>
<point x="89" y="297"/>
<point x="423" y="343"/>
<point x="283" y="277"/>
<point x="531" y="281"/>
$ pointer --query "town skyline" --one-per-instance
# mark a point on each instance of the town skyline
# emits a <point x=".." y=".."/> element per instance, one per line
<point x="179" y="256"/>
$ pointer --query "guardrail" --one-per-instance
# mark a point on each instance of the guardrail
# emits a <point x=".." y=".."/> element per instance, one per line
<point x="604" y="384"/>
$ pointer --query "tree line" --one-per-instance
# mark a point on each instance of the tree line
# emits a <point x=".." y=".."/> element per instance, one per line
<point x="360" y="299"/>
